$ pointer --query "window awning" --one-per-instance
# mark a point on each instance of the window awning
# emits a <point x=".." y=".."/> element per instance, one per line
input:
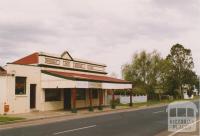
<point x="57" y="79"/>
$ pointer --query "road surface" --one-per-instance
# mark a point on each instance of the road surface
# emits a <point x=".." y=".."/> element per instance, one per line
<point x="147" y="122"/>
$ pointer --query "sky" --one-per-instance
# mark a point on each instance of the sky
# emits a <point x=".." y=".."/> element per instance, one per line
<point x="104" y="31"/>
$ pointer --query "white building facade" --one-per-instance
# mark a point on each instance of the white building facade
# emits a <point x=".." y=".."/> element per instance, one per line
<point x="44" y="82"/>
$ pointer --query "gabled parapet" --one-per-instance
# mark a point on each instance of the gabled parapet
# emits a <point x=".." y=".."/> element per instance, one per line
<point x="64" y="61"/>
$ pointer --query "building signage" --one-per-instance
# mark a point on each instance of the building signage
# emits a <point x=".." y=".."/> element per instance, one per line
<point x="66" y="63"/>
<point x="79" y="65"/>
<point x="85" y="84"/>
<point x="94" y="85"/>
<point x="52" y="61"/>
<point x="72" y="64"/>
<point x="95" y="68"/>
<point x="81" y="84"/>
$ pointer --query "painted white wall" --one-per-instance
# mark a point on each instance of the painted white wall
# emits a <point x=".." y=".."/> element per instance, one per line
<point x="48" y="81"/>
<point x="71" y="64"/>
<point x="116" y="86"/>
<point x="186" y="97"/>
<point x="21" y="103"/>
<point x="126" y="99"/>
<point x="6" y="89"/>
<point x="3" y="88"/>
<point x="136" y="99"/>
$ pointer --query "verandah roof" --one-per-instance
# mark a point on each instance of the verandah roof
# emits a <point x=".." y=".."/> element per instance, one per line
<point x="57" y="79"/>
<point x="84" y="77"/>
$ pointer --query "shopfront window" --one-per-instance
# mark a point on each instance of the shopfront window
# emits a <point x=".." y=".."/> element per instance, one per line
<point x="95" y="94"/>
<point x="81" y="94"/>
<point x="52" y="95"/>
<point x="20" y="85"/>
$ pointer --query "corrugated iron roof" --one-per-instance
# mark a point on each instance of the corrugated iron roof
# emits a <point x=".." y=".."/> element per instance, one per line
<point x="84" y="77"/>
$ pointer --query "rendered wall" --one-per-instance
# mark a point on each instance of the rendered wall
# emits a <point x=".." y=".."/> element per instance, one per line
<point x="21" y="103"/>
<point x="126" y="99"/>
<point x="3" y="88"/>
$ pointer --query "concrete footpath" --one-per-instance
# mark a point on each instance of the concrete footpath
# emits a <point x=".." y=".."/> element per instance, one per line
<point x="39" y="118"/>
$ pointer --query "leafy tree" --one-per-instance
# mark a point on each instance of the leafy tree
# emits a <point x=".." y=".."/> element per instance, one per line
<point x="163" y="76"/>
<point x="143" y="71"/>
<point x="150" y="73"/>
<point x="182" y="63"/>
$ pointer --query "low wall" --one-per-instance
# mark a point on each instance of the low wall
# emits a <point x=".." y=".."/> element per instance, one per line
<point x="187" y="97"/>
<point x="136" y="99"/>
<point x="126" y="99"/>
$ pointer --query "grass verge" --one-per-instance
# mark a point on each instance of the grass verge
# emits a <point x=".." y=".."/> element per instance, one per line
<point x="5" y="119"/>
<point x="155" y="102"/>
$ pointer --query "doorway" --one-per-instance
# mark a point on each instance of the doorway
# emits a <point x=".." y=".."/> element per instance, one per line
<point x="32" y="96"/>
<point x="67" y="99"/>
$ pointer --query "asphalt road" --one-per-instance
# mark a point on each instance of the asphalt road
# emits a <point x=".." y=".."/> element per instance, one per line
<point x="148" y="122"/>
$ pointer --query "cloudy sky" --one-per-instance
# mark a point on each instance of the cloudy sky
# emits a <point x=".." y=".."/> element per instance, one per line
<point x="106" y="31"/>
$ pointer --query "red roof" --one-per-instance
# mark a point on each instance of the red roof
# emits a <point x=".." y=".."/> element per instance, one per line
<point x="30" y="59"/>
<point x="84" y="77"/>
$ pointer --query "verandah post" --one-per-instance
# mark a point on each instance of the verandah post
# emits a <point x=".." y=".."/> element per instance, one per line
<point x="131" y="98"/>
<point x="74" y="91"/>
<point x="100" y="100"/>
<point x="90" y="99"/>
<point x="113" y="106"/>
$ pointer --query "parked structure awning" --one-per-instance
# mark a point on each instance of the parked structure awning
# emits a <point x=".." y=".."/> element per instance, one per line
<point x="57" y="79"/>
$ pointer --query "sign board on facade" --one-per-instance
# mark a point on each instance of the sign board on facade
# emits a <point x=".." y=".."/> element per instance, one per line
<point x="94" y="85"/>
<point x="72" y="64"/>
<point x="86" y="84"/>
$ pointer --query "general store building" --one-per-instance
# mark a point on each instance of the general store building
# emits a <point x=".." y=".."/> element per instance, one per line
<point x="44" y="82"/>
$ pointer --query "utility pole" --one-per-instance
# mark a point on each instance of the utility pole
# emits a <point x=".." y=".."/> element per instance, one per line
<point x="199" y="88"/>
<point x="199" y="98"/>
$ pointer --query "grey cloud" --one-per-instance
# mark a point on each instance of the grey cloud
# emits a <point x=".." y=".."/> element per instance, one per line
<point x="16" y="37"/>
<point x="176" y="3"/>
<point x="94" y="30"/>
<point x="24" y="32"/>
<point x="109" y="31"/>
<point x="185" y="7"/>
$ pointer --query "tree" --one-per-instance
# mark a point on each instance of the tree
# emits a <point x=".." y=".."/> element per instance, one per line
<point x="163" y="76"/>
<point x="143" y="71"/>
<point x="182" y="62"/>
<point x="150" y="73"/>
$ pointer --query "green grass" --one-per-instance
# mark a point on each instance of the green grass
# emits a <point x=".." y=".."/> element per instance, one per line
<point x="5" y="119"/>
<point x="152" y="102"/>
<point x="196" y="97"/>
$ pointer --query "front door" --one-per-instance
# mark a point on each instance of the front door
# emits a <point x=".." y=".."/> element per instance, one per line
<point x="32" y="96"/>
<point x="67" y="99"/>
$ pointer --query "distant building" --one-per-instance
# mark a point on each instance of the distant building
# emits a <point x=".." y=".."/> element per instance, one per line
<point x="44" y="82"/>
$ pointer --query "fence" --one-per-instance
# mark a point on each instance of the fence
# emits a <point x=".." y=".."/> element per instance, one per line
<point x="126" y="99"/>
